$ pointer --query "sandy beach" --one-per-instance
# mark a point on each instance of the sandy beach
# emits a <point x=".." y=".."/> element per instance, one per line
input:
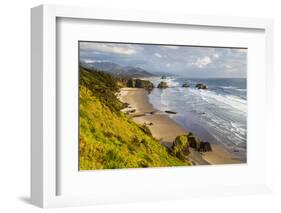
<point x="166" y="129"/>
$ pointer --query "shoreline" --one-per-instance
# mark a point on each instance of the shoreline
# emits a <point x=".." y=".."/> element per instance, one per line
<point x="165" y="129"/>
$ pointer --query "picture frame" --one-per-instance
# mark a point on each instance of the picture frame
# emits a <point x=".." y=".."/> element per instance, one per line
<point x="47" y="166"/>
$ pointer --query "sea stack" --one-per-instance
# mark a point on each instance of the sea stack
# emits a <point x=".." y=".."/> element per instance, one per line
<point x="185" y="85"/>
<point x="162" y="85"/>
<point x="201" y="86"/>
<point x="139" y="83"/>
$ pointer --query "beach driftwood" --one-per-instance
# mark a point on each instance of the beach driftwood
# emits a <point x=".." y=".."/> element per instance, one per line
<point x="170" y="112"/>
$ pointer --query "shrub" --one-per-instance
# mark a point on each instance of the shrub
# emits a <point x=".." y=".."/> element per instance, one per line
<point x="180" y="147"/>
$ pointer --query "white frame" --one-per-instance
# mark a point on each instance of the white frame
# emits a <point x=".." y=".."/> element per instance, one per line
<point x="43" y="106"/>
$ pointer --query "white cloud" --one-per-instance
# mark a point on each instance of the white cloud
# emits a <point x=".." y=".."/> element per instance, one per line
<point x="183" y="60"/>
<point x="88" y="61"/>
<point x="124" y="49"/>
<point x="216" y="56"/>
<point x="158" y="55"/>
<point x="171" y="47"/>
<point x="230" y="68"/>
<point x="202" y="62"/>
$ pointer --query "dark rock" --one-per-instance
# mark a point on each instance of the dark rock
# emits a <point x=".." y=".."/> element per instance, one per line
<point x="139" y="83"/>
<point x="204" y="147"/>
<point x="170" y="112"/>
<point x="182" y="144"/>
<point x="162" y="85"/>
<point x="164" y="77"/>
<point x="201" y="86"/>
<point x="131" y="83"/>
<point x="201" y="147"/>
<point x="144" y="84"/>
<point x="193" y="141"/>
<point x="208" y="147"/>
<point x="185" y="85"/>
<point x="125" y="105"/>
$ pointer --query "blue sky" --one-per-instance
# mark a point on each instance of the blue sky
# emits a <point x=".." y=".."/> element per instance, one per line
<point x="187" y="61"/>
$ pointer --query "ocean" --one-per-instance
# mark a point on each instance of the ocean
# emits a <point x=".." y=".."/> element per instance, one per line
<point x="216" y="115"/>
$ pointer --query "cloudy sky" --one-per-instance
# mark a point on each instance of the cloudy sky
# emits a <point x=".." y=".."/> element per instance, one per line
<point x="182" y="60"/>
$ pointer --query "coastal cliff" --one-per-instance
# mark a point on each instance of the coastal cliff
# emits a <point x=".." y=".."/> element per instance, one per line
<point x="108" y="138"/>
<point x="119" y="128"/>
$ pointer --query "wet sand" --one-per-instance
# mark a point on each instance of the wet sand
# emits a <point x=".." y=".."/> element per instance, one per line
<point x="166" y="129"/>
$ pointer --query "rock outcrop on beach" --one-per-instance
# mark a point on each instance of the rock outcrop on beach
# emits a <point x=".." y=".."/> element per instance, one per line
<point x="201" y="86"/>
<point x="163" y="77"/>
<point x="139" y="83"/>
<point x="204" y="147"/>
<point x="180" y="147"/>
<point x="162" y="85"/>
<point x="131" y="83"/>
<point x="185" y="85"/>
<point x="183" y="143"/>
<point x="193" y="141"/>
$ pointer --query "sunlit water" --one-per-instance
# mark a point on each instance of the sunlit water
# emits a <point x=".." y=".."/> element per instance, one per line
<point x="217" y="115"/>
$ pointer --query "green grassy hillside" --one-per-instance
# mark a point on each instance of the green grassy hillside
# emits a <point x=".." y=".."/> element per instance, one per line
<point x="109" y="139"/>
